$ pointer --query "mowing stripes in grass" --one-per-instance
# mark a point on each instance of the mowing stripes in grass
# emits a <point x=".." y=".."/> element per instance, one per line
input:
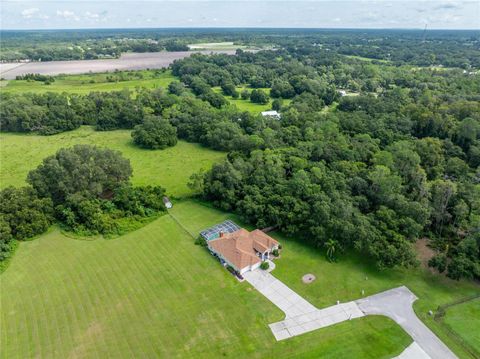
<point x="153" y="293"/>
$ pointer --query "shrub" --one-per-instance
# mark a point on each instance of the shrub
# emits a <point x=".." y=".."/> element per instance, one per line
<point x="259" y="96"/>
<point x="264" y="265"/>
<point x="245" y="95"/>
<point x="22" y="215"/>
<point x="200" y="241"/>
<point x="275" y="252"/>
<point x="155" y="133"/>
<point x="176" y="88"/>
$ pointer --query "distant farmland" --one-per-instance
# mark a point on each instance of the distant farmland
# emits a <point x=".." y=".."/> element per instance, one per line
<point x="129" y="61"/>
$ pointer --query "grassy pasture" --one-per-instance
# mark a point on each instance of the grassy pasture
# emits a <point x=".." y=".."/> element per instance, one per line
<point x="226" y="45"/>
<point x="345" y="279"/>
<point x="83" y="84"/>
<point x="152" y="293"/>
<point x="246" y="105"/>
<point x="171" y="168"/>
<point x="464" y="320"/>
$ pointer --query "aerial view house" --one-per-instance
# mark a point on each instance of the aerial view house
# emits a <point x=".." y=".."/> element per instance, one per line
<point x="272" y="114"/>
<point x="237" y="247"/>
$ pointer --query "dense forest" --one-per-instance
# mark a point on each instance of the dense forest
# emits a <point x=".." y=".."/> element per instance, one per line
<point x="367" y="155"/>
<point x="400" y="47"/>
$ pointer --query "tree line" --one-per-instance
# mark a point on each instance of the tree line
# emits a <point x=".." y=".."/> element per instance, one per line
<point x="395" y="160"/>
<point x="85" y="189"/>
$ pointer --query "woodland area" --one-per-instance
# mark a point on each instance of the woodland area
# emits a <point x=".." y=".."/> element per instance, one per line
<point x="395" y="160"/>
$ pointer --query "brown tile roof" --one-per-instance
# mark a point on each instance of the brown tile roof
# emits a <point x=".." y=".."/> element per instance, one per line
<point x="239" y="247"/>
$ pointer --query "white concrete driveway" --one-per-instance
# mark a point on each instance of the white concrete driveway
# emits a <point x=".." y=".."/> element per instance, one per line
<point x="279" y="294"/>
<point x="301" y="316"/>
<point x="397" y="304"/>
<point x="413" y="351"/>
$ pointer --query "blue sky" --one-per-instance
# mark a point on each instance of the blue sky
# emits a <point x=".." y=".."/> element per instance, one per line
<point x="438" y="14"/>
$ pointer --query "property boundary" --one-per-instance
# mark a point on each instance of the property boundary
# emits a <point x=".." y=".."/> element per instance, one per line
<point x="440" y="314"/>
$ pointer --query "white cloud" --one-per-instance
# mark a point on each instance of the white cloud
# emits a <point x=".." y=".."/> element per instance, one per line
<point x="68" y="15"/>
<point x="91" y="15"/>
<point x="30" y="12"/>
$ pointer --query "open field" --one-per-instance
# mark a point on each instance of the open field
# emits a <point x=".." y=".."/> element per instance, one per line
<point x="84" y="84"/>
<point x="128" y="61"/>
<point x="367" y="59"/>
<point x="246" y="105"/>
<point x="345" y="279"/>
<point x="226" y="45"/>
<point x="464" y="320"/>
<point x="170" y="168"/>
<point x="153" y="293"/>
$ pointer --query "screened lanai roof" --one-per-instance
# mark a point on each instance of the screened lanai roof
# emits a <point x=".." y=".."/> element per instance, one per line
<point x="214" y="232"/>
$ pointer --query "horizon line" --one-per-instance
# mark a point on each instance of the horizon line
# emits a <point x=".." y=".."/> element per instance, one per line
<point x="239" y="27"/>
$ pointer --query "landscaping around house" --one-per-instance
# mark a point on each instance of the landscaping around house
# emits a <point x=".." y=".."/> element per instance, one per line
<point x="345" y="279"/>
<point x="154" y="293"/>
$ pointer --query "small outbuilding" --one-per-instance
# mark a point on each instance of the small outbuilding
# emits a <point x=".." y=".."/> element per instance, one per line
<point x="166" y="201"/>
<point x="272" y="113"/>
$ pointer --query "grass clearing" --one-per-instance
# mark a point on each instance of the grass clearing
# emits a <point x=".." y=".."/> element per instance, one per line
<point x="246" y="105"/>
<point x="345" y="279"/>
<point x="170" y="168"/>
<point x="464" y="320"/>
<point x="153" y="293"/>
<point x="84" y="84"/>
<point x="226" y="45"/>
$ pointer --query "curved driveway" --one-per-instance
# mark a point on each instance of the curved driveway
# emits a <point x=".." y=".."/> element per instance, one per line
<point x="302" y="317"/>
<point x="397" y="304"/>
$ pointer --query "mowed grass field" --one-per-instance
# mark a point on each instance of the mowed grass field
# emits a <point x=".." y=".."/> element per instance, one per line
<point x="246" y="105"/>
<point x="170" y="168"/>
<point x="464" y="320"/>
<point x="154" y="294"/>
<point x="83" y="84"/>
<point x="345" y="279"/>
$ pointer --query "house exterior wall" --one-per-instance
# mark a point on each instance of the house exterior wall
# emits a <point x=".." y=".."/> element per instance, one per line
<point x="242" y="270"/>
<point x="255" y="266"/>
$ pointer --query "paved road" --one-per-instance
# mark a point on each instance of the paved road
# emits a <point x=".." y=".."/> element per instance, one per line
<point x="397" y="304"/>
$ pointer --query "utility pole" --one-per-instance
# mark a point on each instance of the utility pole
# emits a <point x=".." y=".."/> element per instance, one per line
<point x="424" y="33"/>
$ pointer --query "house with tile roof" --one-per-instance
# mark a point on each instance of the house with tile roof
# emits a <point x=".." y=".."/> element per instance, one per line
<point x="243" y="250"/>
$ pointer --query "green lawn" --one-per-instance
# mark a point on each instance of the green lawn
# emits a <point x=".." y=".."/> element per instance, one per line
<point x="170" y="168"/>
<point x="345" y="279"/>
<point x="464" y="320"/>
<point x="153" y="294"/>
<point x="246" y="105"/>
<point x="84" y="84"/>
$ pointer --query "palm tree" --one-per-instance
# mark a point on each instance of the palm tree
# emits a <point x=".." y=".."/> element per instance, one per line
<point x="331" y="246"/>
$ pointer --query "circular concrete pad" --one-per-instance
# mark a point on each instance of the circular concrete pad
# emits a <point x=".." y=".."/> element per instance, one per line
<point x="308" y="278"/>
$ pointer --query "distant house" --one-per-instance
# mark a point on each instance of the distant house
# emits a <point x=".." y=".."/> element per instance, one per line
<point x="167" y="203"/>
<point x="271" y="113"/>
<point x="342" y="93"/>
<point x="241" y="249"/>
